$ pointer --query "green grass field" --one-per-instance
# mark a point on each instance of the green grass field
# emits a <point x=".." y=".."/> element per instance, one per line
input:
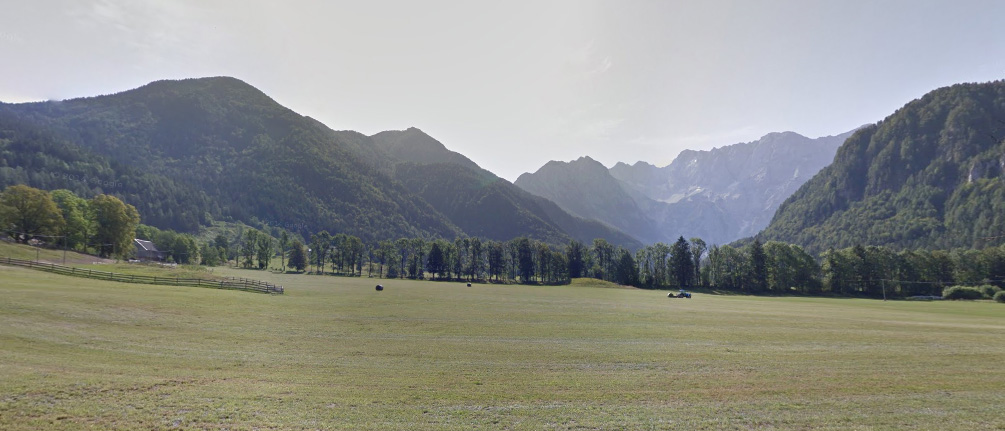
<point x="19" y="251"/>
<point x="86" y="261"/>
<point x="334" y="354"/>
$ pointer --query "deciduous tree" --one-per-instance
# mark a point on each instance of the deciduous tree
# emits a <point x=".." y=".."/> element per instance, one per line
<point x="116" y="225"/>
<point x="26" y="212"/>
<point x="78" y="222"/>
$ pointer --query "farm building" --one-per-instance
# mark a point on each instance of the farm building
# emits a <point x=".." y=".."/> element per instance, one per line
<point x="146" y="250"/>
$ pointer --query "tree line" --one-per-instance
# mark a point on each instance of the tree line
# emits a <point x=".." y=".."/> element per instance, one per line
<point x="103" y="224"/>
<point x="779" y="268"/>
<point x="106" y="226"/>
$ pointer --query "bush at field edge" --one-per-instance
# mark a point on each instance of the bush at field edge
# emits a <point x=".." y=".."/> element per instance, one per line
<point x="962" y="292"/>
<point x="989" y="291"/>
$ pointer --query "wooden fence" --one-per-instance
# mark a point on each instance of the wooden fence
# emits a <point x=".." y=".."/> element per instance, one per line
<point x="232" y="283"/>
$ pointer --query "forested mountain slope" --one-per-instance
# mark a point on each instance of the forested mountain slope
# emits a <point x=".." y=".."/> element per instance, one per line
<point x="37" y="157"/>
<point x="929" y="175"/>
<point x="481" y="203"/>
<point x="252" y="157"/>
<point x="191" y="151"/>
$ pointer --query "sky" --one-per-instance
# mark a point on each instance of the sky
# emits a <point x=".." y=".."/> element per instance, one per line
<point x="514" y="84"/>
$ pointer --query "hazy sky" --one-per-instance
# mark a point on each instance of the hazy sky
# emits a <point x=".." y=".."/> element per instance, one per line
<point x="513" y="84"/>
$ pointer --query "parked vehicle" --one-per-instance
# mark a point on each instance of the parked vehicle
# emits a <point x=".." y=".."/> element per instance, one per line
<point x="683" y="294"/>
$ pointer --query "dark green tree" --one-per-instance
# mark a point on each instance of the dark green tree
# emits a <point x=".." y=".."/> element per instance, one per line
<point x="436" y="263"/>
<point x="497" y="255"/>
<point x="525" y="259"/>
<point x="298" y="257"/>
<point x="221" y="244"/>
<point x="284" y="244"/>
<point x="625" y="271"/>
<point x="681" y="263"/>
<point x="574" y="255"/>
<point x="838" y="272"/>
<point x="758" y="267"/>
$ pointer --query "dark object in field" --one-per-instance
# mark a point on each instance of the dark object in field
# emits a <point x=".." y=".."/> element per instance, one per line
<point x="683" y="294"/>
<point x="379" y="288"/>
<point x="469" y="284"/>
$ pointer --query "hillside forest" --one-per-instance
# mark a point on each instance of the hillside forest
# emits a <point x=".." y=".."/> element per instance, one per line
<point x="929" y="176"/>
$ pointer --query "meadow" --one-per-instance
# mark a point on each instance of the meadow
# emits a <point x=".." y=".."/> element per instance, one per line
<point x="332" y="353"/>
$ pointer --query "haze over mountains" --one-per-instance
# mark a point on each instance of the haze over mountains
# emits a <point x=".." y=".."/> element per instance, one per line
<point x="189" y="152"/>
<point x="719" y="195"/>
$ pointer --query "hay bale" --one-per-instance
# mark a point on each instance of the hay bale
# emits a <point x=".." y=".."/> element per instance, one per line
<point x="379" y="288"/>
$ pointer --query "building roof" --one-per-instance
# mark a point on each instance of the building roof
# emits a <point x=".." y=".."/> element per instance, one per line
<point x="145" y="245"/>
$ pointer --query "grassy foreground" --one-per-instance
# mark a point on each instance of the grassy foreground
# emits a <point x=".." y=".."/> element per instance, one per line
<point x="334" y="354"/>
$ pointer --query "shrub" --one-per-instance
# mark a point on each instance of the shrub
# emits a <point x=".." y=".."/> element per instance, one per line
<point x="989" y="291"/>
<point x="1000" y="296"/>
<point x="962" y="292"/>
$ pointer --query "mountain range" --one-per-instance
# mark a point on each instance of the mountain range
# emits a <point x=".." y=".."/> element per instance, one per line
<point x="192" y="151"/>
<point x="478" y="201"/>
<point x="719" y="195"/>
